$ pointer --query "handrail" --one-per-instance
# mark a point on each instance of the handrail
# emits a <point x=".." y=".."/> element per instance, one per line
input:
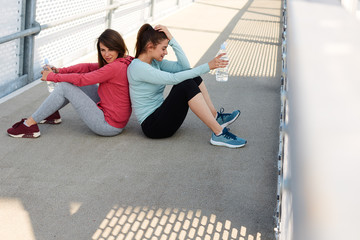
<point x="24" y="33"/>
<point x="38" y="28"/>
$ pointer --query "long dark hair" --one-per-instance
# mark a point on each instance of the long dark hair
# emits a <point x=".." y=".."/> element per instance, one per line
<point x="145" y="35"/>
<point x="112" y="40"/>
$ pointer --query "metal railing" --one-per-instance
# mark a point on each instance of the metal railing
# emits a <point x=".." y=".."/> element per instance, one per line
<point x="317" y="179"/>
<point x="283" y="123"/>
<point x="30" y="28"/>
<point x="37" y="28"/>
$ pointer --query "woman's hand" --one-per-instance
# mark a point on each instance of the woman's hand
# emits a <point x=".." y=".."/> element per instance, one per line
<point x="53" y="69"/>
<point x="48" y="70"/>
<point x="165" y="30"/>
<point x="217" y="62"/>
<point x="45" y="73"/>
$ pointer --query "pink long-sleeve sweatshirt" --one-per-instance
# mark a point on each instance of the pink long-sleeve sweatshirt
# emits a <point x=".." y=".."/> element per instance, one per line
<point x="113" y="86"/>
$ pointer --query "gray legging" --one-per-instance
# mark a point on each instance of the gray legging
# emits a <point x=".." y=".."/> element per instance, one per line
<point x="84" y="101"/>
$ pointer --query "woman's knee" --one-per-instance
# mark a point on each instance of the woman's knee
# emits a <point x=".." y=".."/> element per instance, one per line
<point x="67" y="90"/>
<point x="198" y="80"/>
<point x="189" y="88"/>
<point x="62" y="87"/>
<point x="188" y="84"/>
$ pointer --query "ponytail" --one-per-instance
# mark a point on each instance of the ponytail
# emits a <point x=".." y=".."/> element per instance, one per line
<point x="145" y="35"/>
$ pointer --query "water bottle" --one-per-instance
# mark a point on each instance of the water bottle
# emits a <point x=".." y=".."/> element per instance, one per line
<point x="50" y="85"/>
<point x="222" y="74"/>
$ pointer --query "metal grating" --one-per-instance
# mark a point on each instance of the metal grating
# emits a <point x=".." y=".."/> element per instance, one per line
<point x="10" y="22"/>
<point x="129" y="17"/>
<point x="64" y="43"/>
<point x="164" y="7"/>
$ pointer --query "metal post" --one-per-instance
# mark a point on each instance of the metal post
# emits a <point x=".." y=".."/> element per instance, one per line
<point x="21" y="40"/>
<point x="152" y="11"/>
<point x="29" y="41"/>
<point x="109" y="15"/>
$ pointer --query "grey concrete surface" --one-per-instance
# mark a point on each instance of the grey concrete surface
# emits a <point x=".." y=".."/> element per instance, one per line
<point x="72" y="184"/>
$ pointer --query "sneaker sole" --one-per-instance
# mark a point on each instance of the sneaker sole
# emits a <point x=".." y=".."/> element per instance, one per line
<point x="34" y="135"/>
<point x="55" y="121"/>
<point x="230" y="122"/>
<point x="225" y="144"/>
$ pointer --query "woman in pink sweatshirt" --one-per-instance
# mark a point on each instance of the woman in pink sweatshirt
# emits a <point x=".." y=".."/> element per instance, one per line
<point x="104" y="107"/>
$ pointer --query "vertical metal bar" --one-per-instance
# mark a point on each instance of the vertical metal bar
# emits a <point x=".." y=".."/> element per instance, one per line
<point x="152" y="11"/>
<point x="29" y="41"/>
<point x="21" y="40"/>
<point x="109" y="15"/>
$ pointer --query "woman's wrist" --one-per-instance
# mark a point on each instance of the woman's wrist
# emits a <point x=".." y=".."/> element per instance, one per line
<point x="172" y="41"/>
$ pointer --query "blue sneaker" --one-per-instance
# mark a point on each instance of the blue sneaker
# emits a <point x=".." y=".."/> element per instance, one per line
<point x="227" y="139"/>
<point x="225" y="119"/>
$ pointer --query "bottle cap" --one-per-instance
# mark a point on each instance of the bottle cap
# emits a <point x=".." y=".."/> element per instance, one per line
<point x="46" y="61"/>
<point x="223" y="45"/>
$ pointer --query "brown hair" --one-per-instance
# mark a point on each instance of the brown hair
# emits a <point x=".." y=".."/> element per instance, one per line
<point x="145" y="35"/>
<point x="112" y="40"/>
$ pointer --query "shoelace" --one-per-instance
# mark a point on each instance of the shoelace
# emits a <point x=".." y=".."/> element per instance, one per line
<point x="222" y="114"/>
<point x="229" y="135"/>
<point x="18" y="123"/>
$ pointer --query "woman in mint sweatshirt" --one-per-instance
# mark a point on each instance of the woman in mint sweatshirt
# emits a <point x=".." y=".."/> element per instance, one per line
<point x="148" y="75"/>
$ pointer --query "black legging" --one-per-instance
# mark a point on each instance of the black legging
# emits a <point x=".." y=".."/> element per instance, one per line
<point x="167" y="118"/>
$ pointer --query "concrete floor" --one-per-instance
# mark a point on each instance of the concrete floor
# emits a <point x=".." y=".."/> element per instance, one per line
<point x="72" y="184"/>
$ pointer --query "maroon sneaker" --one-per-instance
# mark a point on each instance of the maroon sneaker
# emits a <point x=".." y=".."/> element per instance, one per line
<point x="52" y="119"/>
<point x="19" y="130"/>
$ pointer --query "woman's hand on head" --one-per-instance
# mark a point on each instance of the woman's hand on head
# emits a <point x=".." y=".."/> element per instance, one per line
<point x="165" y="30"/>
<point x="217" y="62"/>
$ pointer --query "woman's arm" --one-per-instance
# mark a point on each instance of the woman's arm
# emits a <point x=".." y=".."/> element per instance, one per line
<point x="143" y="72"/>
<point x="80" y="68"/>
<point x="182" y="62"/>
<point x="104" y="74"/>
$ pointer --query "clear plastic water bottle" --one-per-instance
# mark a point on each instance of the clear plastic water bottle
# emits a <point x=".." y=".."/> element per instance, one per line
<point x="50" y="85"/>
<point x="222" y="74"/>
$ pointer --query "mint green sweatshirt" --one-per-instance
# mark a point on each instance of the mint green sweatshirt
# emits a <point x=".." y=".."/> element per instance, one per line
<point x="147" y="82"/>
